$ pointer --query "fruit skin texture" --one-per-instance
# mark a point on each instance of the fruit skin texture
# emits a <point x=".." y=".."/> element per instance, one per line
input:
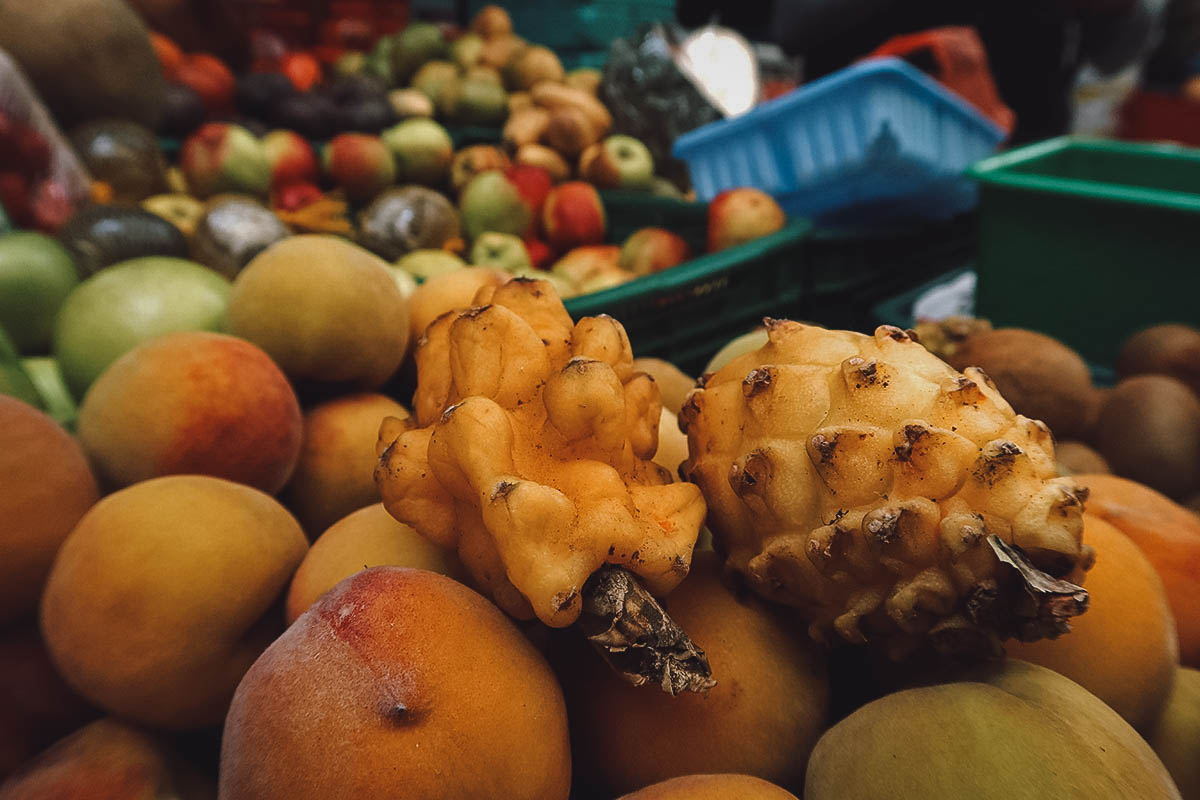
<point x="653" y="250"/>
<point x="762" y="718"/>
<point x="221" y="157"/>
<point x="36" y="276"/>
<point x="859" y="478"/>
<point x="1013" y="731"/>
<point x="1124" y="649"/>
<point x="1039" y="376"/>
<point x="736" y="216"/>
<point x="1168" y="534"/>
<point x="1176" y="737"/>
<point x="163" y="596"/>
<point x="573" y="215"/>
<point x="674" y="385"/>
<point x="712" y="787"/>
<point x="335" y="473"/>
<point x="531" y="454"/>
<point x="438" y="696"/>
<point x="323" y="309"/>
<point x="1149" y="431"/>
<point x="48" y="487"/>
<point x="130" y="303"/>
<point x="192" y="403"/>
<point x="369" y="537"/>
<point x="361" y="164"/>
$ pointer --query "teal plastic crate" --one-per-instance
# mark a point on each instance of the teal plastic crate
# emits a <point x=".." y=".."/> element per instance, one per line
<point x="580" y="32"/>
<point x="1089" y="241"/>
<point x="687" y="313"/>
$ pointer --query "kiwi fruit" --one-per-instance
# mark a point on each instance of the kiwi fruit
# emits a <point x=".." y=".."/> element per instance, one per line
<point x="1149" y="431"/>
<point x="1163" y="350"/>
<point x="1039" y="376"/>
<point x="1076" y="458"/>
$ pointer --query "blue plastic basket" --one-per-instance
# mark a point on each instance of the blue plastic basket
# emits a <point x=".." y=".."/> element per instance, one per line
<point x="879" y="140"/>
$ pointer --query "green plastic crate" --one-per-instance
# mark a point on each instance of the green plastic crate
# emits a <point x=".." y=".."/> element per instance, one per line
<point x="687" y="313"/>
<point x="1089" y="241"/>
<point x="572" y="27"/>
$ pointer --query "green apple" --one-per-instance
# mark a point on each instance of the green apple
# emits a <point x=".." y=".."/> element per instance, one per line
<point x="56" y="398"/>
<point x="433" y="77"/>
<point x="222" y="157"/>
<point x="618" y="162"/>
<point x="422" y="149"/>
<point x="128" y="303"/>
<point x="467" y="50"/>
<point x="500" y="251"/>
<point x="36" y="275"/>
<point x="425" y="264"/>
<point x="417" y="43"/>
<point x="404" y="281"/>
<point x="491" y="202"/>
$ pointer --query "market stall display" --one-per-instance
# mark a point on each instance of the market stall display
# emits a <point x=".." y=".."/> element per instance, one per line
<point x="386" y="412"/>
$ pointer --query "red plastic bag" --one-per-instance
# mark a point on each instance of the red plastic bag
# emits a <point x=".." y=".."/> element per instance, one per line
<point x="41" y="180"/>
<point x="957" y="58"/>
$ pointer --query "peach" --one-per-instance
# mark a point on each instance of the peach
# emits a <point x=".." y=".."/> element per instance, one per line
<point x="573" y="215"/>
<point x="736" y="216"/>
<point x="370" y="537"/>
<point x="164" y="594"/>
<point x="762" y="718"/>
<point x="335" y="473"/>
<point x="36" y="705"/>
<point x="1168" y="534"/>
<point x="399" y="683"/>
<point x="106" y="760"/>
<point x="712" y="787"/>
<point x="192" y="402"/>
<point x="47" y="487"/>
<point x="1124" y="649"/>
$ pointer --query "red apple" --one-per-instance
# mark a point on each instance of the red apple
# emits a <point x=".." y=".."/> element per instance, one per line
<point x="573" y="215"/>
<point x="33" y="149"/>
<point x="220" y="157"/>
<point x="592" y="268"/>
<point x="653" y="250"/>
<point x="51" y="205"/>
<point x="295" y="196"/>
<point x="493" y="203"/>
<point x="14" y="197"/>
<point x="534" y="184"/>
<point x="539" y="252"/>
<point x="291" y="158"/>
<point x="361" y="164"/>
<point x="740" y="215"/>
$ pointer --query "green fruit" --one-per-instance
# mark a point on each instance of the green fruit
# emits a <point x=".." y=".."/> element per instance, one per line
<point x="56" y="398"/>
<point x="36" y="275"/>
<point x="1176" y="736"/>
<point x="476" y="101"/>
<point x="351" y="63"/>
<point x="1009" y="732"/>
<point x="129" y="303"/>
<point x="378" y="62"/>
<point x="416" y="44"/>
<point x="467" y="50"/>
<point x="14" y="381"/>
<point x="425" y="264"/>
<point x="434" y="77"/>
<point x="423" y="151"/>
<point x="490" y="202"/>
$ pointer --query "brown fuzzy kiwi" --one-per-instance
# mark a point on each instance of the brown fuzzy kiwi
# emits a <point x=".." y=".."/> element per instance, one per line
<point x="1076" y="458"/>
<point x="1149" y="431"/>
<point x="1039" y="376"/>
<point x="1163" y="350"/>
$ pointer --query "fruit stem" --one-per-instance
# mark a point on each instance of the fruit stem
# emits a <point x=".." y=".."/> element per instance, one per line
<point x="634" y="634"/>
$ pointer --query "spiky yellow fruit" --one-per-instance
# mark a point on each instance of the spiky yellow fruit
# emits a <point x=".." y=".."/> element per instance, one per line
<point x="531" y="454"/>
<point x="867" y="483"/>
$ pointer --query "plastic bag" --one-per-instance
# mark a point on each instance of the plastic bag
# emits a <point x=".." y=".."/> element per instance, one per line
<point x="649" y="96"/>
<point x="41" y="180"/>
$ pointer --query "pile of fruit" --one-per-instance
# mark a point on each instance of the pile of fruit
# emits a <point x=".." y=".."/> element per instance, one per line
<point x="799" y="574"/>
